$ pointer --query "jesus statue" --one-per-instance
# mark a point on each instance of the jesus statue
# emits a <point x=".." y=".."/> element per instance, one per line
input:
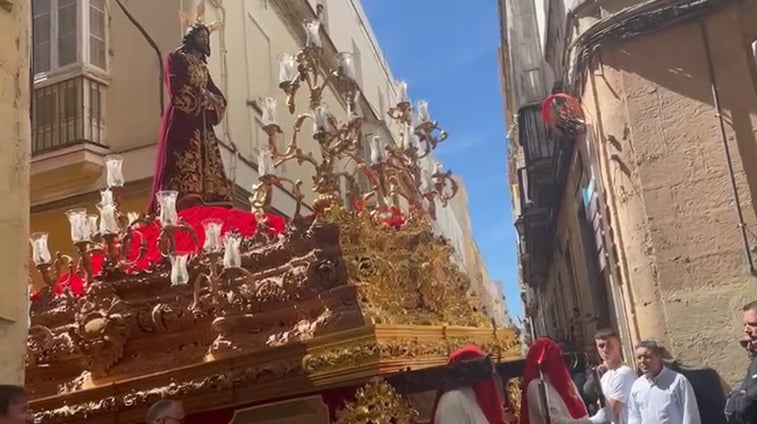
<point x="189" y="156"/>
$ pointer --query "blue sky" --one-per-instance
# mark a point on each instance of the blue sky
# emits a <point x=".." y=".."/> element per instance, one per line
<point x="447" y="52"/>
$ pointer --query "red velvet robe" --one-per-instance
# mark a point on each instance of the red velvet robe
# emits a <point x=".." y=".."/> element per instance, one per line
<point x="189" y="156"/>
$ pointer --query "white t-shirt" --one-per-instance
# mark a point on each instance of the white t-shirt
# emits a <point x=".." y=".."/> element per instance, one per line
<point x="459" y="407"/>
<point x="616" y="384"/>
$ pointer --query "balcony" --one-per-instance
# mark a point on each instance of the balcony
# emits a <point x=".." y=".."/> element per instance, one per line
<point x="547" y="162"/>
<point x="68" y="135"/>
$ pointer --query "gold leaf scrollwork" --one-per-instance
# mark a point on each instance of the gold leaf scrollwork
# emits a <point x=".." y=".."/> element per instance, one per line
<point x="513" y="393"/>
<point x="377" y="403"/>
<point x="404" y="276"/>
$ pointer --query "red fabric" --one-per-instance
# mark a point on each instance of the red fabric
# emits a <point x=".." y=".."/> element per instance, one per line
<point x="179" y="128"/>
<point x="486" y="391"/>
<point x="547" y="354"/>
<point x="546" y="106"/>
<point x="235" y="220"/>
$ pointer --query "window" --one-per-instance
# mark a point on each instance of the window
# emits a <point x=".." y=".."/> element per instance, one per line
<point x="97" y="33"/>
<point x="358" y="61"/>
<point x="68" y="113"/>
<point x="532" y="84"/>
<point x="68" y="32"/>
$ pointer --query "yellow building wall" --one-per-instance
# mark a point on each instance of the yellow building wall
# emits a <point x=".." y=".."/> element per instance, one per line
<point x="14" y="180"/>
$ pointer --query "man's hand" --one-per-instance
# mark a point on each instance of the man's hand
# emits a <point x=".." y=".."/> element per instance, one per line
<point x="601" y="369"/>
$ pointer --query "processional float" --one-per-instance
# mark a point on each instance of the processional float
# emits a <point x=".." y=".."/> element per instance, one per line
<point x="228" y="309"/>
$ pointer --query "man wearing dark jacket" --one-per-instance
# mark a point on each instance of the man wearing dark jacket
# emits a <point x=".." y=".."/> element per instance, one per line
<point x="741" y="406"/>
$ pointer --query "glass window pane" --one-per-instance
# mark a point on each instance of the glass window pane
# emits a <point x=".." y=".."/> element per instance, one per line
<point x="41" y="7"/>
<point x="41" y="58"/>
<point x="67" y="24"/>
<point x="97" y="52"/>
<point x="41" y="48"/>
<point x="66" y="50"/>
<point x="97" y="34"/>
<point x="97" y="22"/>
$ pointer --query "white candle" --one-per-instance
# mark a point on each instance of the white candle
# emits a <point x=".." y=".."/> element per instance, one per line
<point x="377" y="154"/>
<point x="92" y="226"/>
<point x="265" y="161"/>
<point x="167" y="201"/>
<point x="113" y="166"/>
<point x="322" y="119"/>
<point x="108" y="221"/>
<point x="179" y="274"/>
<point x="79" y="227"/>
<point x="287" y="69"/>
<point x="269" y="111"/>
<point x="423" y="115"/>
<point x="312" y="32"/>
<point x="106" y="197"/>
<point x="40" y="252"/>
<point x="232" y="257"/>
<point x="402" y="92"/>
<point x="409" y="139"/>
<point x="213" y="241"/>
<point x="353" y="110"/>
<point x="347" y="64"/>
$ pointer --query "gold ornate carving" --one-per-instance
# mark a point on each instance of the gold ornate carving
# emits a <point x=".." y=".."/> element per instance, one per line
<point x="200" y="170"/>
<point x="377" y="403"/>
<point x="351" y="355"/>
<point x="404" y="276"/>
<point x="513" y="393"/>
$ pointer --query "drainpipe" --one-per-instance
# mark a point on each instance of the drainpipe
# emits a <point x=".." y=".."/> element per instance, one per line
<point x="31" y="67"/>
<point x="154" y="46"/>
<point x="726" y="149"/>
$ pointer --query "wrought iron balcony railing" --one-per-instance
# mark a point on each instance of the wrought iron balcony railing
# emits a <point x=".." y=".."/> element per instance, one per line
<point x="67" y="113"/>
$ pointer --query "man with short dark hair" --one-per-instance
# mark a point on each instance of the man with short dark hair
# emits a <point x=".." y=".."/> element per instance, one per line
<point x="741" y="406"/>
<point x="13" y="406"/>
<point x="616" y="378"/>
<point x="166" y="411"/>
<point x="661" y="395"/>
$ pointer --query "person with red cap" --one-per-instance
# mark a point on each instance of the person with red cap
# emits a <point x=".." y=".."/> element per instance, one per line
<point x="476" y="401"/>
<point x="545" y="375"/>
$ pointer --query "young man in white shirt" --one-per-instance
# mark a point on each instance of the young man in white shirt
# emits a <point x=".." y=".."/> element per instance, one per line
<point x="661" y="395"/>
<point x="616" y="378"/>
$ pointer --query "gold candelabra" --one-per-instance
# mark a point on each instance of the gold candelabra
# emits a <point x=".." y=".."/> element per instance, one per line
<point x="398" y="174"/>
<point x="109" y="234"/>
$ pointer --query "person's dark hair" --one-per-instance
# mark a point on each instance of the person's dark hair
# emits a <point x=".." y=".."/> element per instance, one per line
<point x="187" y="42"/>
<point x="606" y="334"/>
<point x="651" y="346"/>
<point x="9" y="394"/>
<point x="158" y="408"/>
<point x="751" y="306"/>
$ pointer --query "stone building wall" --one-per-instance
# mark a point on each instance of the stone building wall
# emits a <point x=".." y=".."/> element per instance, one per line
<point x="663" y="167"/>
<point x="14" y="186"/>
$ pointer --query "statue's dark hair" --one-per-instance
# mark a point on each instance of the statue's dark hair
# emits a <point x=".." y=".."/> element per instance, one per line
<point x="188" y="39"/>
